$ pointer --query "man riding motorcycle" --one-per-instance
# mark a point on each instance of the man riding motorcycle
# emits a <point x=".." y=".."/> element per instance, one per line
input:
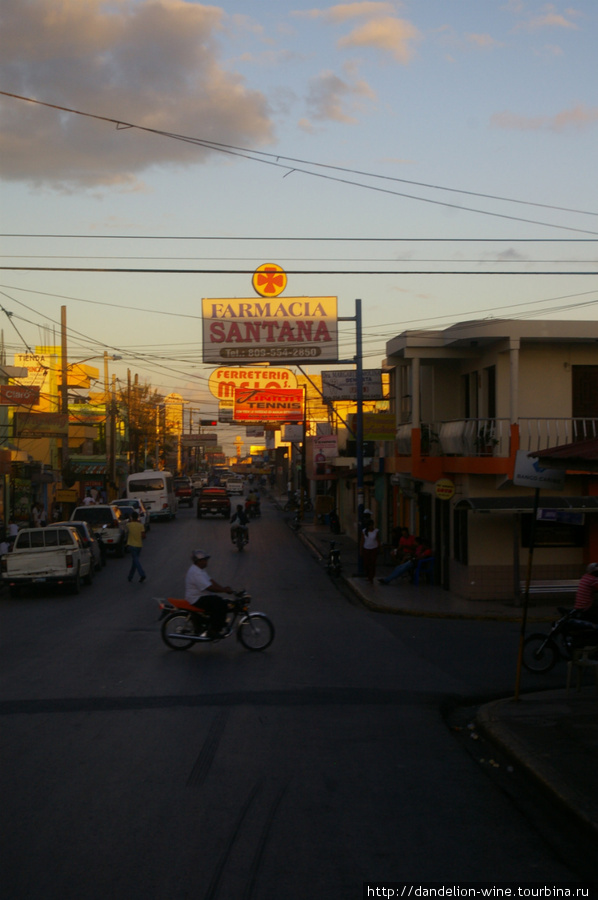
<point x="252" y="504"/>
<point x="239" y="520"/>
<point x="199" y="584"/>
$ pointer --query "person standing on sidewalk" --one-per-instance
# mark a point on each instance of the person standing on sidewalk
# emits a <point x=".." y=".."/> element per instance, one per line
<point x="135" y="545"/>
<point x="370" y="545"/>
<point x="585" y="598"/>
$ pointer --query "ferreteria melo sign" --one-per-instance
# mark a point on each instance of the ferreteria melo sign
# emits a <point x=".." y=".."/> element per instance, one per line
<point x="223" y="381"/>
<point x="291" y="329"/>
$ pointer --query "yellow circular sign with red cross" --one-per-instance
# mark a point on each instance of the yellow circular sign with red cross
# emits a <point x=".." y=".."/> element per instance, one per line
<point x="269" y="280"/>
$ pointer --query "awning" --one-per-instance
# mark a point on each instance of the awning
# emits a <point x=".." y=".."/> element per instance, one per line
<point x="94" y="468"/>
<point x="526" y="504"/>
<point x="581" y="455"/>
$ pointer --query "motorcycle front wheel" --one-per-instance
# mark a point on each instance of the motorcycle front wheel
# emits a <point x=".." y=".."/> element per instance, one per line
<point x="255" y="631"/>
<point x="540" y="653"/>
<point x="175" y="630"/>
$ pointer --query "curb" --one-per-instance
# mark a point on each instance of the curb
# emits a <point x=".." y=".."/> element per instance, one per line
<point x="542" y="772"/>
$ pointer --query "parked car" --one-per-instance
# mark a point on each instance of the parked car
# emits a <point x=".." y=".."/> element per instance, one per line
<point x="213" y="500"/>
<point x="89" y="541"/>
<point x="138" y="506"/>
<point x="52" y="555"/>
<point x="107" y="525"/>
<point x="183" y="490"/>
<point x="126" y="513"/>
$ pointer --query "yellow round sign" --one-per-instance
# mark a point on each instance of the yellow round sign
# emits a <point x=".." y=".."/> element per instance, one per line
<point x="445" y="489"/>
<point x="269" y="280"/>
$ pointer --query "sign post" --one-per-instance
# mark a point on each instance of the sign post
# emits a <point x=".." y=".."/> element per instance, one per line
<point x="529" y="473"/>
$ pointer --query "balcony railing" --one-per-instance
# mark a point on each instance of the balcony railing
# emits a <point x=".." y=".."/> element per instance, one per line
<point x="475" y="437"/>
<point x="460" y="437"/>
<point x="492" y="437"/>
<point x="540" y="434"/>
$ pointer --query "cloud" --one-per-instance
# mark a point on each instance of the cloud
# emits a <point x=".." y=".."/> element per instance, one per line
<point x="578" y="117"/>
<point x="390" y="35"/>
<point x="549" y="18"/>
<point x="329" y="96"/>
<point x="482" y="40"/>
<point x="382" y="30"/>
<point x="344" y="11"/>
<point x="155" y="64"/>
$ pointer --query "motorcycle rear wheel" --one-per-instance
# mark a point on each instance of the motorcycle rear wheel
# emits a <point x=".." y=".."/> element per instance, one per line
<point x="255" y="631"/>
<point x="174" y="628"/>
<point x="540" y="653"/>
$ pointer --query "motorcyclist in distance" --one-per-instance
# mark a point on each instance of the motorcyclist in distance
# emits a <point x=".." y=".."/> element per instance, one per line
<point x="239" y="520"/>
<point x="252" y="504"/>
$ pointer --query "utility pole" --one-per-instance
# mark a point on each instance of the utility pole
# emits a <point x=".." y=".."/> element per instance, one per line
<point x="64" y="388"/>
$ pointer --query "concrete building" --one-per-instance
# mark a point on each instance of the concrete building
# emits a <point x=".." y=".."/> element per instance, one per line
<point x="466" y="400"/>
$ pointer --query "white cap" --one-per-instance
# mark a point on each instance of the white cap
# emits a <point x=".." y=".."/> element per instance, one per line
<point x="199" y="554"/>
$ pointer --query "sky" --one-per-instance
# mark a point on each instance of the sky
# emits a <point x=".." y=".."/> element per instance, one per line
<point x="409" y="154"/>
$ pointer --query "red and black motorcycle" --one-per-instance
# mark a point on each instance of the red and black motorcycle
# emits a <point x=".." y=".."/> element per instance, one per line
<point x="184" y="624"/>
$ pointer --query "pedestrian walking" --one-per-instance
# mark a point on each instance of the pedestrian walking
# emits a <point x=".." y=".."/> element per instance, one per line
<point x="135" y="545"/>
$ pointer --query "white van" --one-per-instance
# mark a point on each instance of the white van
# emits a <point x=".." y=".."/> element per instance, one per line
<point x="156" y="490"/>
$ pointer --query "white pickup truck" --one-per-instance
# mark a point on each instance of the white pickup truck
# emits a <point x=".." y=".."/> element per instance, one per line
<point x="234" y="484"/>
<point x="53" y="555"/>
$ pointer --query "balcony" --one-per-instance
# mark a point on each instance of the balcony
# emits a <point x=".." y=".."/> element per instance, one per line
<point x="459" y="437"/>
<point x="492" y="437"/>
<point x="540" y="434"/>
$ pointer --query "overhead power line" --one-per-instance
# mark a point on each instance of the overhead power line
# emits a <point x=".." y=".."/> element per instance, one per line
<point x="291" y="165"/>
<point x="153" y="271"/>
<point x="364" y="240"/>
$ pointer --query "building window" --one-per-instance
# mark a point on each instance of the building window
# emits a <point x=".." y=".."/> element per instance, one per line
<point x="551" y="534"/>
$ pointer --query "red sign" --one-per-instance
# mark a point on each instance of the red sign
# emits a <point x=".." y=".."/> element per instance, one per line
<point x="255" y="405"/>
<point x="18" y="395"/>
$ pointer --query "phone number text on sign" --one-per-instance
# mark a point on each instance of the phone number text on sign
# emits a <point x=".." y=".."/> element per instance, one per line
<point x="296" y="328"/>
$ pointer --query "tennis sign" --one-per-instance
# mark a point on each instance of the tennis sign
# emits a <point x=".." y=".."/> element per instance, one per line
<point x="268" y="406"/>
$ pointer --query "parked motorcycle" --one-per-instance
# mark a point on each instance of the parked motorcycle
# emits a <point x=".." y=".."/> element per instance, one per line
<point x="184" y="624"/>
<point x="541" y="652"/>
<point x="333" y="561"/>
<point x="239" y="537"/>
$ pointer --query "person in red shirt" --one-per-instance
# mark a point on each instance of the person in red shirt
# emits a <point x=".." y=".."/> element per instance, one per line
<point x="406" y="545"/>
<point x="422" y="551"/>
<point x="585" y="602"/>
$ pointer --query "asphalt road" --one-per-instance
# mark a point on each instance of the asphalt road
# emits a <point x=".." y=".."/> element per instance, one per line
<point x="133" y="771"/>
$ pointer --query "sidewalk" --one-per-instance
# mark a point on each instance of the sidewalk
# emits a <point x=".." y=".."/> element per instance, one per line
<point x="403" y="598"/>
<point x="552" y="736"/>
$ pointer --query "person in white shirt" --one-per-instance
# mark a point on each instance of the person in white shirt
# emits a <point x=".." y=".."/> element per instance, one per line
<point x="199" y="585"/>
<point x="370" y="544"/>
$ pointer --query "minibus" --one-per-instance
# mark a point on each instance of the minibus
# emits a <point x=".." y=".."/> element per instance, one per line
<point x="156" y="490"/>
